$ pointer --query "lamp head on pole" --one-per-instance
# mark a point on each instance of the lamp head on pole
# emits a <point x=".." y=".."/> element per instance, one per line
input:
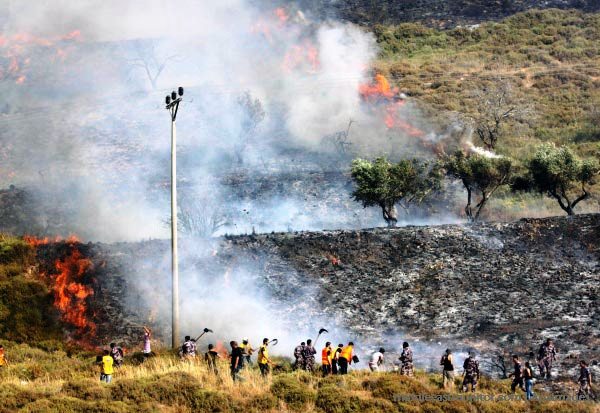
<point x="168" y="99"/>
<point x="180" y="91"/>
<point x="173" y="95"/>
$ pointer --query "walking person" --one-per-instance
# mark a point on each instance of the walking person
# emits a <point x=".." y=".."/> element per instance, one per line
<point x="447" y="364"/>
<point x="471" y="373"/>
<point x="326" y="359"/>
<point x="517" y="375"/>
<point x="236" y="360"/>
<point x="407" y="360"/>
<point x="546" y="356"/>
<point x="116" y="353"/>
<point x="247" y="350"/>
<point x="345" y="358"/>
<point x="107" y="367"/>
<point x="211" y="357"/>
<point x="309" y="356"/>
<point x="335" y="359"/>
<point x="263" y="358"/>
<point x="528" y="378"/>
<point x="299" y="356"/>
<point x="585" y="382"/>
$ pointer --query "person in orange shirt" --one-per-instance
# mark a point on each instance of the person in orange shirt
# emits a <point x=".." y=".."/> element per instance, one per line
<point x="326" y="356"/>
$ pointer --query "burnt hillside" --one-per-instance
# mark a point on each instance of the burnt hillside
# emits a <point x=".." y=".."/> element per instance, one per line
<point x="436" y="12"/>
<point x="494" y="287"/>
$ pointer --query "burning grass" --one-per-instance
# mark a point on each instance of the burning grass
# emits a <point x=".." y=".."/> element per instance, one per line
<point x="165" y="384"/>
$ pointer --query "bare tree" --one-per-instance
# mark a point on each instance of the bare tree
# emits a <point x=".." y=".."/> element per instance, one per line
<point x="496" y="106"/>
<point x="147" y="57"/>
<point x="253" y="114"/>
<point x="199" y="221"/>
<point x="340" y="140"/>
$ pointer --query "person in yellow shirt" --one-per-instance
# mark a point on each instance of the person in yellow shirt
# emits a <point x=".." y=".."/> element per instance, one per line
<point x="346" y="358"/>
<point x="107" y="367"/>
<point x="263" y="358"/>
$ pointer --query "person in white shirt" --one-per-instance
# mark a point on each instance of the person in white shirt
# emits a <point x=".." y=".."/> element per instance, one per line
<point x="376" y="360"/>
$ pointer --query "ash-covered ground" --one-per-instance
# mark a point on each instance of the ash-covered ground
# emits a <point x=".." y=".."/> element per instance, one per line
<point x="496" y="288"/>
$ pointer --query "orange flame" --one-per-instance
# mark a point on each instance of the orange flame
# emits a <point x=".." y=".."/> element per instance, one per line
<point x="14" y="49"/>
<point x="303" y="56"/>
<point x="70" y="295"/>
<point x="221" y="350"/>
<point x="380" y="89"/>
<point x="380" y="92"/>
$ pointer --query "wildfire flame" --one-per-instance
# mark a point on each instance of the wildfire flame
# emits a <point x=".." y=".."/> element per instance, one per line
<point x="14" y="50"/>
<point x="379" y="92"/>
<point x="303" y="56"/>
<point x="70" y="294"/>
<point x="221" y="350"/>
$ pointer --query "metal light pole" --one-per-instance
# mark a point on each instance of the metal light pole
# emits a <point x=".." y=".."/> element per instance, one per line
<point x="172" y="105"/>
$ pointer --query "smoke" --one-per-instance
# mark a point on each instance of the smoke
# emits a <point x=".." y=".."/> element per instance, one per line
<point x="86" y="130"/>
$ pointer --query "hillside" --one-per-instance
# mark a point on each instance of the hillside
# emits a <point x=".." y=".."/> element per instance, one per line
<point x="495" y="288"/>
<point x="549" y="60"/>
<point x="435" y="12"/>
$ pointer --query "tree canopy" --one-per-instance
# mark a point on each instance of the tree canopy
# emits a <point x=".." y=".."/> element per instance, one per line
<point x="385" y="184"/>
<point x="480" y="175"/>
<point x="560" y="174"/>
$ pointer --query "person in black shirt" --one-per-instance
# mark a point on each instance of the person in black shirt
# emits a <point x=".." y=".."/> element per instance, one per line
<point x="236" y="360"/>
<point x="517" y="375"/>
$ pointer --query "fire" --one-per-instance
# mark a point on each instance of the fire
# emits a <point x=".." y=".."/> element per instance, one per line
<point x="14" y="50"/>
<point x="379" y="92"/>
<point x="34" y="241"/>
<point x="303" y="56"/>
<point x="221" y="350"/>
<point x="70" y="294"/>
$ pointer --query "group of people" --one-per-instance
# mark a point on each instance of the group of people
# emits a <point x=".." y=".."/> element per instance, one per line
<point x="333" y="361"/>
<point x="336" y="360"/>
<point x="522" y="375"/>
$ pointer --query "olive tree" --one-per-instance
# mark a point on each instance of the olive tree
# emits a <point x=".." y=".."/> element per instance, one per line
<point x="385" y="184"/>
<point x="560" y="174"/>
<point x="480" y="175"/>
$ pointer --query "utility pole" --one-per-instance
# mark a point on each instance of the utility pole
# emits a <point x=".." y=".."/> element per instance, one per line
<point x="172" y="105"/>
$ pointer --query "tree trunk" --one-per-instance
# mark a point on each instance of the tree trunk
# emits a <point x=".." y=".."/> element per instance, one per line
<point x="468" y="210"/>
<point x="390" y="214"/>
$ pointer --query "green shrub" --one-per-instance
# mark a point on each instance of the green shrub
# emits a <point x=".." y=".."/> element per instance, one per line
<point x="211" y="401"/>
<point x="86" y="389"/>
<point x="295" y="394"/>
<point x="73" y="405"/>
<point x="15" y="397"/>
<point x="260" y="404"/>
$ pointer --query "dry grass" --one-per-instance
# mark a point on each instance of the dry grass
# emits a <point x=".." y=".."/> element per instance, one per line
<point x="166" y="384"/>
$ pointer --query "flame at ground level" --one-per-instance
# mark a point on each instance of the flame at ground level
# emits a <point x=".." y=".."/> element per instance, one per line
<point x="70" y="294"/>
